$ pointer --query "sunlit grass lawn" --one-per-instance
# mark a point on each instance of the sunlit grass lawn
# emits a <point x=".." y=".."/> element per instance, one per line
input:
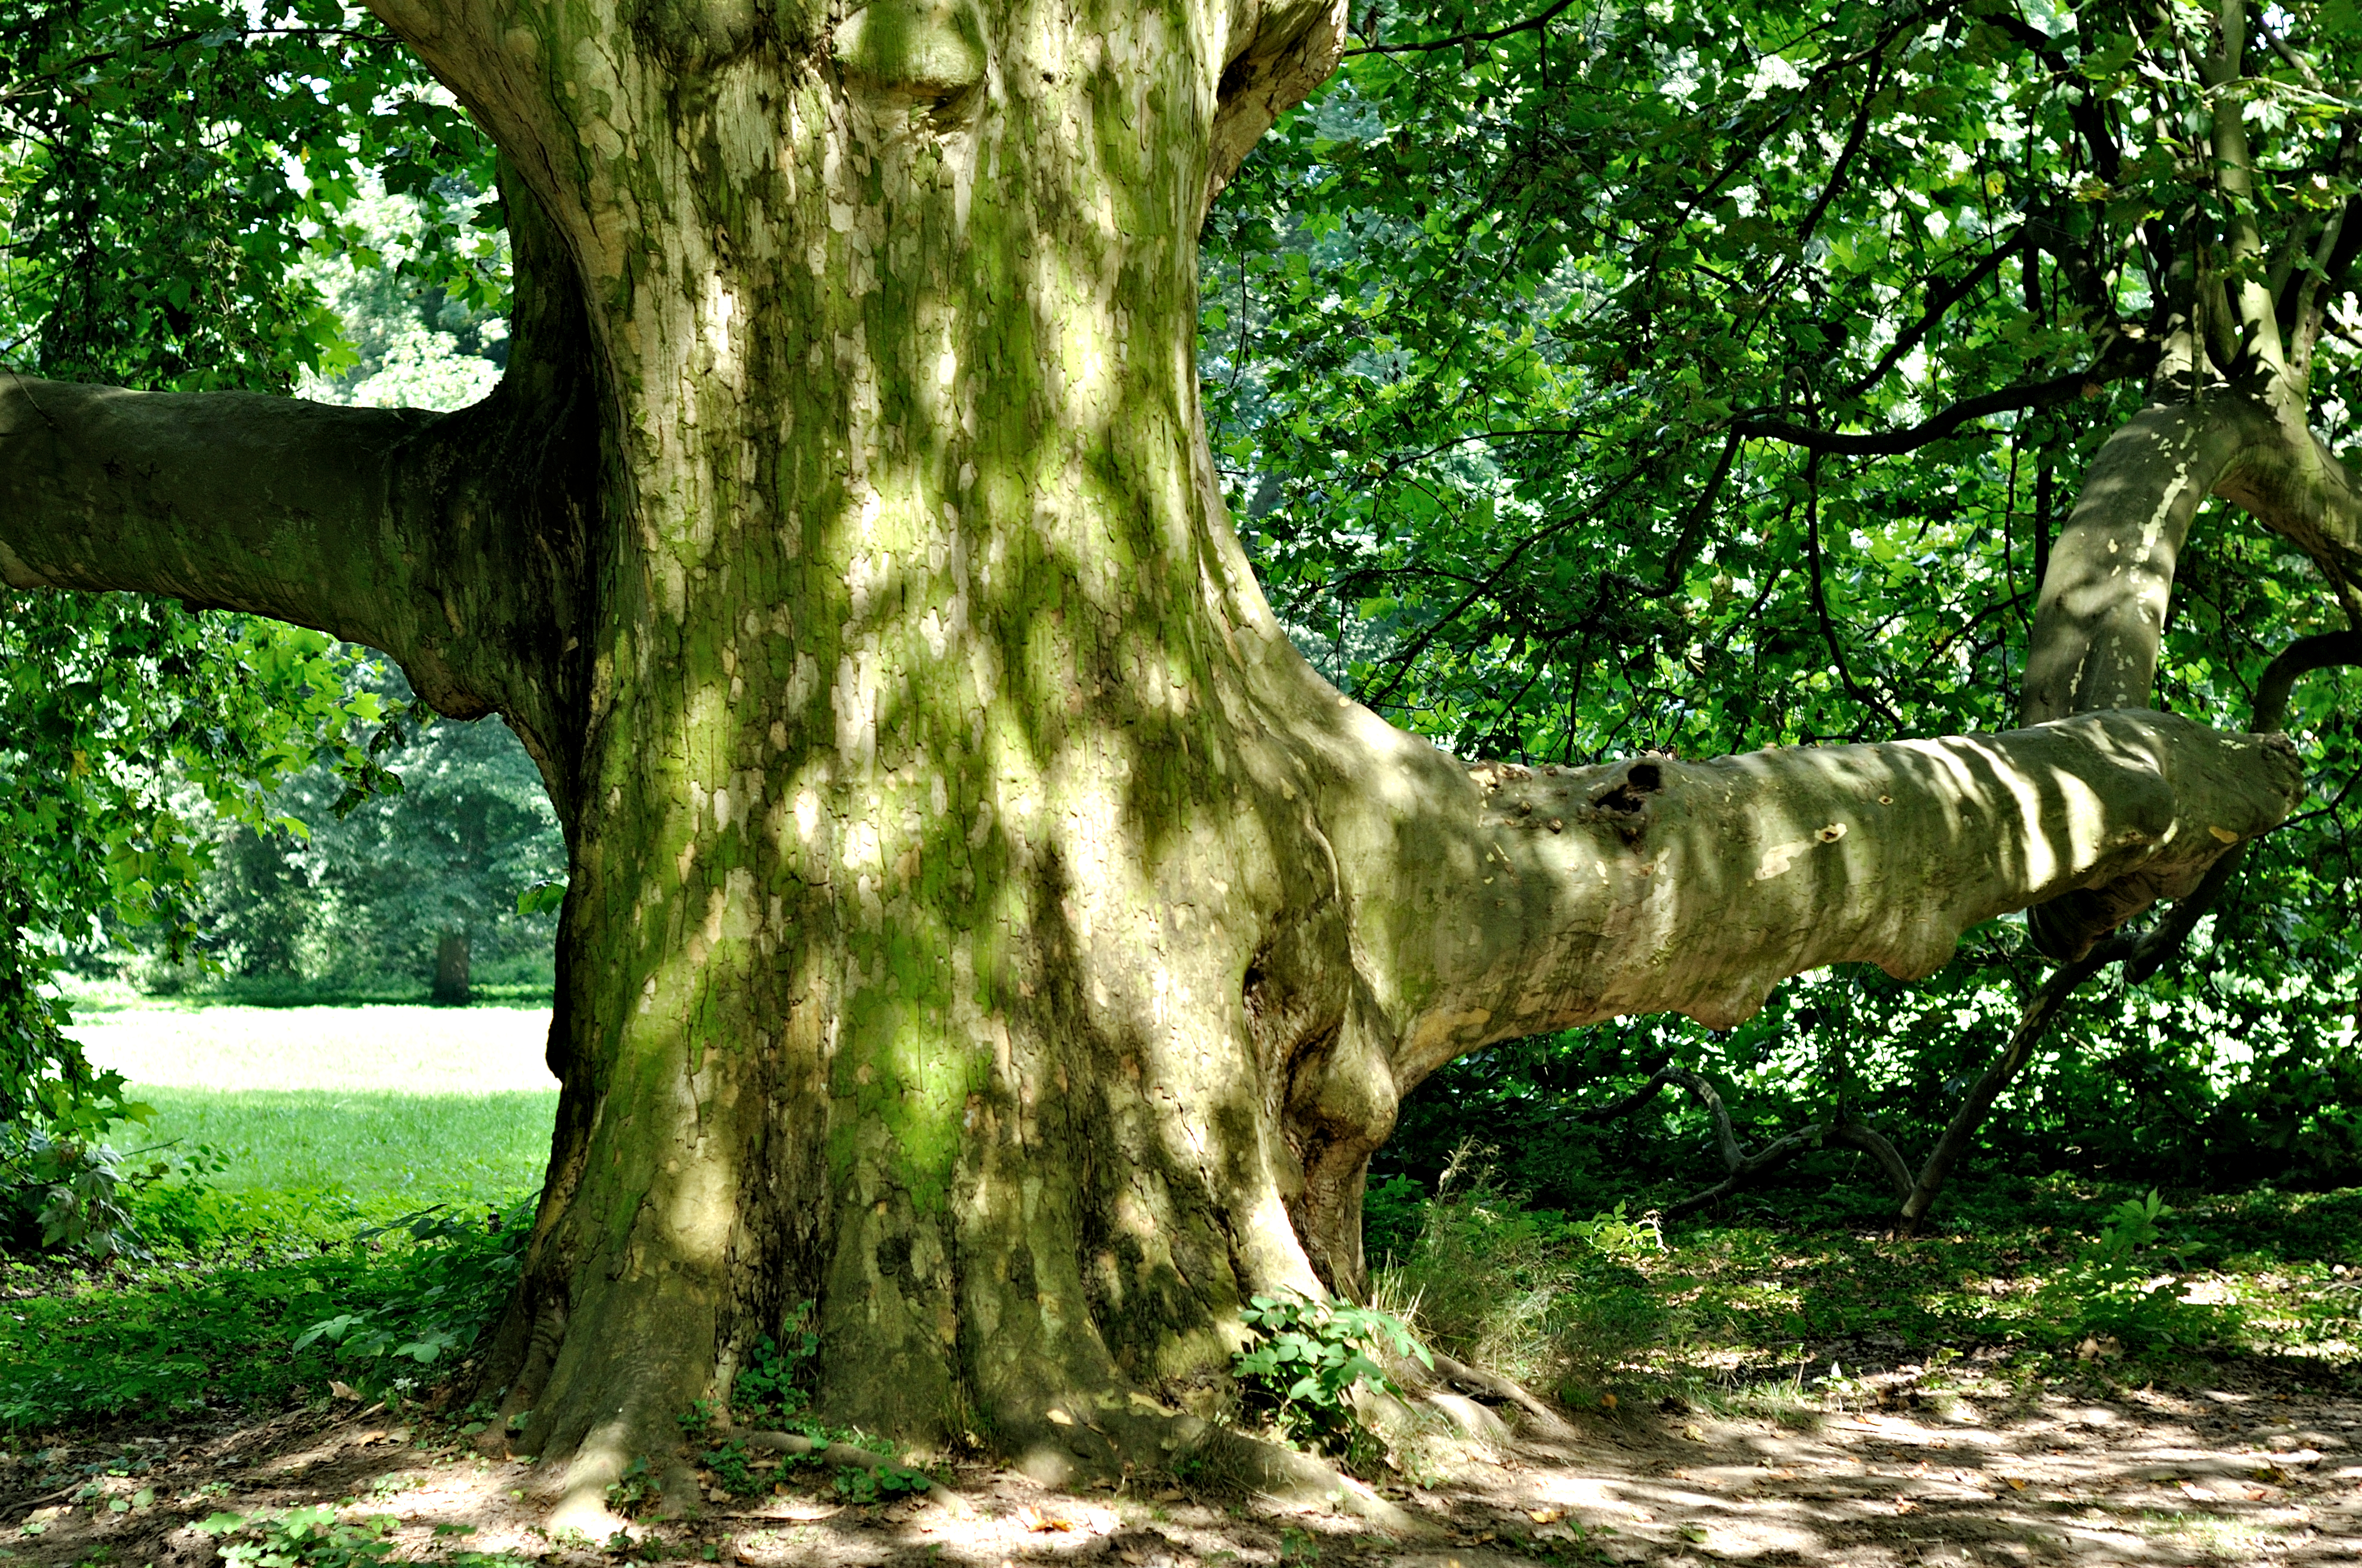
<point x="340" y="1112"/>
<point x="328" y="1120"/>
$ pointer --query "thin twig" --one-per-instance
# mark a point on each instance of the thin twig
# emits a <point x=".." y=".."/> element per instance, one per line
<point x="1494" y="34"/>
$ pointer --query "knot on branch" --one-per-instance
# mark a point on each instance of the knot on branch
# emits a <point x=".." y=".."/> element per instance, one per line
<point x="1618" y="797"/>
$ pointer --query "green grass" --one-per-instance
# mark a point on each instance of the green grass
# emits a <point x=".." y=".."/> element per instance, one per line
<point x="329" y="1119"/>
<point x="376" y="1149"/>
<point x="335" y="1119"/>
<point x="329" y="1115"/>
<point x="1725" y="1308"/>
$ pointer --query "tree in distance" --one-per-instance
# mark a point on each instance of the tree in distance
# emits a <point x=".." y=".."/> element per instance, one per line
<point x="982" y="922"/>
<point x="418" y="882"/>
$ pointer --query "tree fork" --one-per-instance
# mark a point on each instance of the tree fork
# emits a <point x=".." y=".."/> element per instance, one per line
<point x="2141" y="956"/>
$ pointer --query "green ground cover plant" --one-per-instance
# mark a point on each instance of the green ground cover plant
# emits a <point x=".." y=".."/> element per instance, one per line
<point x="283" y="1240"/>
<point x="2057" y="1278"/>
<point x="1308" y="1361"/>
<point x="301" y="1537"/>
<point x="248" y="1320"/>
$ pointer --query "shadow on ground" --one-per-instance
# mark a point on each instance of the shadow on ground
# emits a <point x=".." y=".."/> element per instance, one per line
<point x="2243" y="1470"/>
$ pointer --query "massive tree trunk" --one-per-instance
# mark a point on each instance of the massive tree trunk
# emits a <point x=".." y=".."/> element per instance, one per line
<point x="983" y="925"/>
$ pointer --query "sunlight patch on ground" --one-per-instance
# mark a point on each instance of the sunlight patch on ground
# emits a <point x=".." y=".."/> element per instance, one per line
<point x="342" y="1112"/>
<point x="397" y="1050"/>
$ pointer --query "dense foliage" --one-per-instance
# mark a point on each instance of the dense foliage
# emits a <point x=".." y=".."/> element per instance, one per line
<point x="261" y="122"/>
<point x="131" y="728"/>
<point x="1699" y="377"/>
<point x="119" y="718"/>
<point x="358" y="904"/>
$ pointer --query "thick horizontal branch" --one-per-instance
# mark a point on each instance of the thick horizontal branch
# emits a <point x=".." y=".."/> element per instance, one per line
<point x="1507" y="900"/>
<point x="271" y="505"/>
<point x="356" y="521"/>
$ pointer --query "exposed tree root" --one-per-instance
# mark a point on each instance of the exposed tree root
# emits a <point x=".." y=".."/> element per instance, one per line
<point x="1225" y="1457"/>
<point x="1492" y="1387"/>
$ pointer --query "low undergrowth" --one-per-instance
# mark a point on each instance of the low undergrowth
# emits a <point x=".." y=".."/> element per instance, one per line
<point x="1307" y="1364"/>
<point x="249" y="1320"/>
<point x="2074" y="1282"/>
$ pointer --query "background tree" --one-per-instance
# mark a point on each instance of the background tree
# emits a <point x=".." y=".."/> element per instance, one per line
<point x="417" y="883"/>
<point x="981" y="923"/>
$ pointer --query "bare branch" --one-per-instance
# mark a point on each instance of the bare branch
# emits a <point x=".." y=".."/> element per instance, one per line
<point x="2120" y="358"/>
<point x="2032" y="1025"/>
<point x="1539" y="19"/>
<point x="1875" y="1143"/>
<point x="1742" y="1169"/>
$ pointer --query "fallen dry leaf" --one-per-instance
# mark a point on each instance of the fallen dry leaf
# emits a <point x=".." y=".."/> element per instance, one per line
<point x="1691" y="1431"/>
<point x="343" y="1390"/>
<point x="1037" y="1521"/>
<point x="1906" y="1508"/>
<point x="1608" y="1400"/>
<point x="2014" y="1484"/>
<point x="1546" y="1516"/>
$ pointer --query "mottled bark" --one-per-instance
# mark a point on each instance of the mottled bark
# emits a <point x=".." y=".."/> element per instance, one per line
<point x="982" y="924"/>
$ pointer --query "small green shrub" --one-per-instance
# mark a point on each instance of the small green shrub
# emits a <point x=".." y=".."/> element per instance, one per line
<point x="635" y="1491"/>
<point x="63" y="1189"/>
<point x="301" y="1537"/>
<point x="2113" y="1290"/>
<point x="461" y="1277"/>
<point x="733" y="1472"/>
<point x="768" y="1388"/>
<point x="1308" y="1358"/>
<point x="859" y="1484"/>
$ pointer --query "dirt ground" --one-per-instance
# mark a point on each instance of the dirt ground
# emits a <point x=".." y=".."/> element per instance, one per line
<point x="1975" y="1471"/>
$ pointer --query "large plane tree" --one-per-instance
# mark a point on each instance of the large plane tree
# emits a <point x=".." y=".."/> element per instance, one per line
<point x="982" y="925"/>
